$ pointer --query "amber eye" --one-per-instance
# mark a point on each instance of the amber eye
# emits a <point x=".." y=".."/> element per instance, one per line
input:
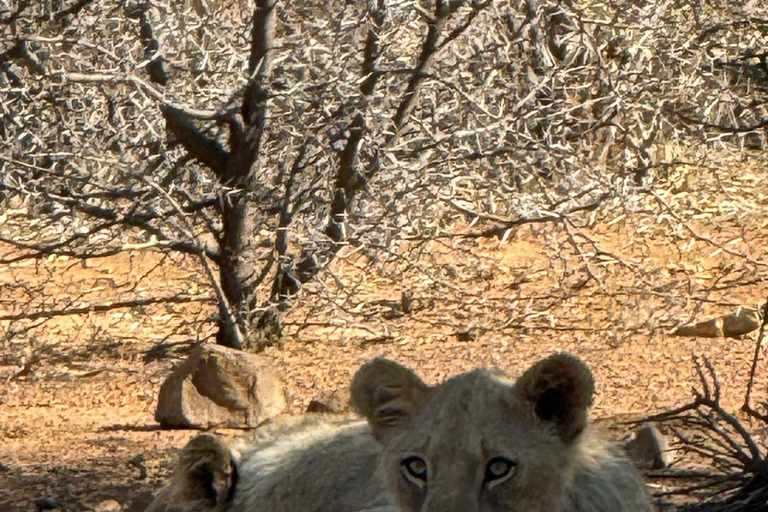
<point x="498" y="469"/>
<point x="415" y="469"/>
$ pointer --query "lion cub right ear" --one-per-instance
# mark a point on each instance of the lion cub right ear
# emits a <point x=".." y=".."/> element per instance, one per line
<point x="560" y="389"/>
<point x="388" y="395"/>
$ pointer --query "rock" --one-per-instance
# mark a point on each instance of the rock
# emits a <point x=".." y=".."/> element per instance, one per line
<point x="219" y="386"/>
<point x="108" y="506"/>
<point x="330" y="401"/>
<point x="46" y="504"/>
<point x="735" y="325"/>
<point x="140" y="502"/>
<point x="648" y="449"/>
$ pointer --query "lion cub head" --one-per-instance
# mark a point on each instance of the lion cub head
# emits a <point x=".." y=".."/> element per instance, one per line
<point x="476" y="443"/>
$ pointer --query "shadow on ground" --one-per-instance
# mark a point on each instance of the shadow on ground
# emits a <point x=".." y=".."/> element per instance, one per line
<point x="75" y="488"/>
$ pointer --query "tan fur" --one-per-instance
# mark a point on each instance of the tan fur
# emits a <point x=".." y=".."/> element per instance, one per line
<point x="473" y="444"/>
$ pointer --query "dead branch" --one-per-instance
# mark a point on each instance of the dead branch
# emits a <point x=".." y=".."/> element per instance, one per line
<point x="200" y="146"/>
<point x="429" y="47"/>
<point x="725" y="443"/>
<point x="109" y="306"/>
<point x="747" y="407"/>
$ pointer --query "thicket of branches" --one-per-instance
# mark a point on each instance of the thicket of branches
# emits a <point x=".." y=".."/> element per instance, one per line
<point x="735" y="474"/>
<point x="265" y="139"/>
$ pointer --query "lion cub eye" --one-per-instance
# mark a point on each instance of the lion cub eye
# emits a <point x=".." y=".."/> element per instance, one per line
<point x="415" y="469"/>
<point x="498" y="470"/>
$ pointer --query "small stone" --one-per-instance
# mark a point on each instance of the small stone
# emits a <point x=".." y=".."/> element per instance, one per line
<point x="648" y="449"/>
<point x="47" y="503"/>
<point x="329" y="402"/>
<point x="140" y="502"/>
<point x="108" y="506"/>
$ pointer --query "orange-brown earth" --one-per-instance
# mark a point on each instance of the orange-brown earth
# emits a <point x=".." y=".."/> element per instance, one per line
<point x="78" y="391"/>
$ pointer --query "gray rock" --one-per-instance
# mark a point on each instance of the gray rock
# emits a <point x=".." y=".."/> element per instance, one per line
<point x="219" y="386"/>
<point x="47" y="503"/>
<point x="140" y="502"/>
<point x="648" y="449"/>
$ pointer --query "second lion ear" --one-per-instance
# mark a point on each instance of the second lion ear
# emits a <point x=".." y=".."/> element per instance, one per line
<point x="560" y="388"/>
<point x="388" y="395"/>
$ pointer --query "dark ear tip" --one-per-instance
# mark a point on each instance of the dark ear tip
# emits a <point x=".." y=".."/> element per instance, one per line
<point x="207" y="467"/>
<point x="564" y="359"/>
<point x="561" y="388"/>
<point x="567" y="372"/>
<point x="582" y="377"/>
<point x="205" y="475"/>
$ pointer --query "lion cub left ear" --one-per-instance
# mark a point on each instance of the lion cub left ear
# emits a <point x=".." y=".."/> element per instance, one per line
<point x="561" y="389"/>
<point x="388" y="395"/>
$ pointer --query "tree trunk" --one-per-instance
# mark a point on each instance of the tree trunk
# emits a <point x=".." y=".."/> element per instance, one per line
<point x="238" y="271"/>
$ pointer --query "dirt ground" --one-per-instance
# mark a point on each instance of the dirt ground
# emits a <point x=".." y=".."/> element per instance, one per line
<point x="78" y="392"/>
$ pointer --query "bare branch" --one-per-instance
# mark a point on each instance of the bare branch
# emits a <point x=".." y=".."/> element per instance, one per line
<point x="200" y="146"/>
<point x="73" y="9"/>
<point x="109" y="306"/>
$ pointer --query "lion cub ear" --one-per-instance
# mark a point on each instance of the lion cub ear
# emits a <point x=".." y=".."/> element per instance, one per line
<point x="206" y="472"/>
<point x="388" y="395"/>
<point x="560" y="388"/>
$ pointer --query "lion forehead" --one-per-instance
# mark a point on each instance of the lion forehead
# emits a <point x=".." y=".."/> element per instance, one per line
<point x="475" y="410"/>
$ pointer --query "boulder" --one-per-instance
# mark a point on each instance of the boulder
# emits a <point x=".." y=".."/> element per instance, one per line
<point x="648" y="448"/>
<point x="220" y="387"/>
<point x="740" y="322"/>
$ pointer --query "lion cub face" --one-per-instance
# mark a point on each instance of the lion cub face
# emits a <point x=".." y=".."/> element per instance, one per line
<point x="476" y="443"/>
